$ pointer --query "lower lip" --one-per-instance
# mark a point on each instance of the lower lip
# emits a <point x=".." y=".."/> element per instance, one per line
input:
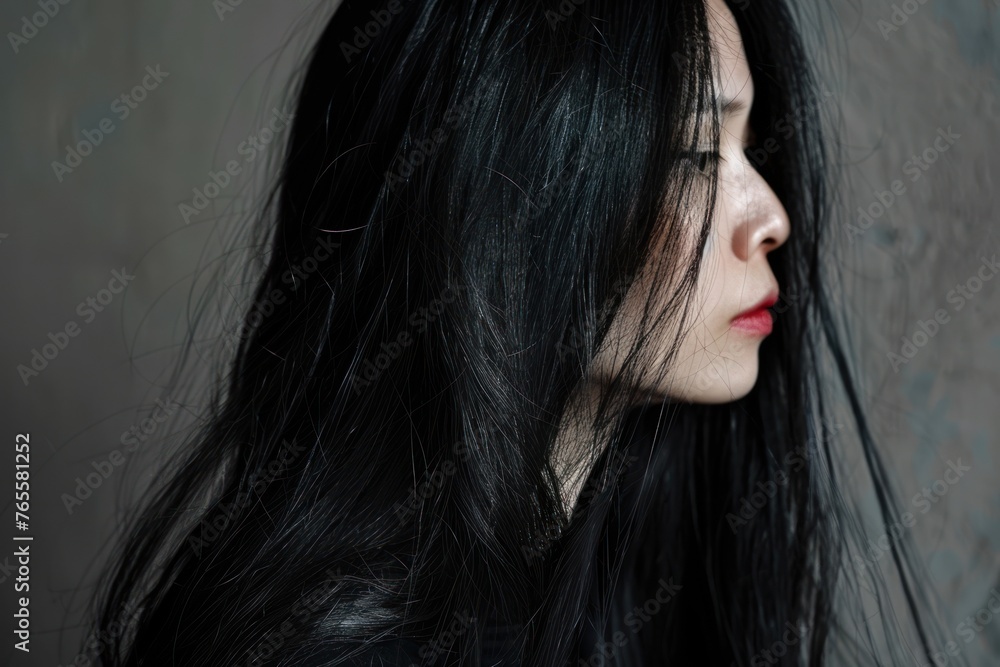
<point x="758" y="323"/>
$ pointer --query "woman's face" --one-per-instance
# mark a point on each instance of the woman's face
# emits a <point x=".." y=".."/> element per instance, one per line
<point x="717" y="358"/>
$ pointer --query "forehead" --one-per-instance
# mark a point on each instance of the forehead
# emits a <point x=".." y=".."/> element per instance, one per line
<point x="733" y="78"/>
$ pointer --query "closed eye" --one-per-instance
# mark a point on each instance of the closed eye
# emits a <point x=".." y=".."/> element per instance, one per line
<point x="703" y="161"/>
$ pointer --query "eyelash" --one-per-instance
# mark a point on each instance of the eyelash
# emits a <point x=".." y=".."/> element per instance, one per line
<point x="701" y="160"/>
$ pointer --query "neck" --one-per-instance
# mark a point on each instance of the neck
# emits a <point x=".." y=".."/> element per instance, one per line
<point x="580" y="441"/>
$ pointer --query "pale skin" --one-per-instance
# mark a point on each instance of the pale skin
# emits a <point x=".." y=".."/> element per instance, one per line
<point x="716" y="362"/>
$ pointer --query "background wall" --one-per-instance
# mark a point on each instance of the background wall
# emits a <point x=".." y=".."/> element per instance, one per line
<point x="211" y="76"/>
<point x="908" y="80"/>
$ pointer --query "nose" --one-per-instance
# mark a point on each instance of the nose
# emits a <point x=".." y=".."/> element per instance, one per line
<point x="764" y="225"/>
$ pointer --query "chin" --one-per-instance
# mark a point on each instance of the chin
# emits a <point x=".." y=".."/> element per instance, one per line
<point x="716" y="380"/>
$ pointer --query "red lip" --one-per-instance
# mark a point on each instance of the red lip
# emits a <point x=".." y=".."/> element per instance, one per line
<point x="757" y="320"/>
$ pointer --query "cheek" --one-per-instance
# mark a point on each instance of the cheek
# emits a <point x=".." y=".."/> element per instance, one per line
<point x="714" y="283"/>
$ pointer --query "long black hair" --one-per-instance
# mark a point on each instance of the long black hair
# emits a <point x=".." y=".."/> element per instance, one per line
<point x="467" y="192"/>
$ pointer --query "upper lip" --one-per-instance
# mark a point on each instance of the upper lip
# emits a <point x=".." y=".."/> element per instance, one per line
<point x="766" y="302"/>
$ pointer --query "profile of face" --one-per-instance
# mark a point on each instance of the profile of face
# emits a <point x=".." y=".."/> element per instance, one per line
<point x="717" y="358"/>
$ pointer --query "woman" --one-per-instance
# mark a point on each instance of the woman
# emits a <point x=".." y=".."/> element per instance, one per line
<point x="510" y="391"/>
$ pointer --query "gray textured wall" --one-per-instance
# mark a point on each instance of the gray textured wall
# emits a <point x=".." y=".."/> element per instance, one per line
<point x="62" y="237"/>
<point x="935" y="75"/>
